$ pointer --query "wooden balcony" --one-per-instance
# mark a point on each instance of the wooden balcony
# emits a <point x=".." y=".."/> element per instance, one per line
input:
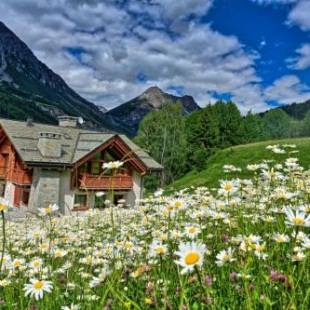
<point x="21" y="177"/>
<point x="89" y="181"/>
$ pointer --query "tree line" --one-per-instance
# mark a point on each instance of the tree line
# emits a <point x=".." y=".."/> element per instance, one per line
<point x="184" y="143"/>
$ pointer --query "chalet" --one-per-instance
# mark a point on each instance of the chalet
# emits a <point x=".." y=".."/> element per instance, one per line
<point x="43" y="164"/>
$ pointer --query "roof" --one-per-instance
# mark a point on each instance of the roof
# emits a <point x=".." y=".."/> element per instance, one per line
<point x="75" y="143"/>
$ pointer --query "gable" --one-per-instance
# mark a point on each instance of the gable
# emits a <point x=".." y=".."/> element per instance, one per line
<point x="121" y="151"/>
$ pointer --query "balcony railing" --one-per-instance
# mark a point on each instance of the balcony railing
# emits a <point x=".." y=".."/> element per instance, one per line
<point x="89" y="181"/>
<point x="21" y="177"/>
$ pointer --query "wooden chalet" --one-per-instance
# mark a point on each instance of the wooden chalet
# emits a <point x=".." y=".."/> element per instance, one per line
<point x="44" y="164"/>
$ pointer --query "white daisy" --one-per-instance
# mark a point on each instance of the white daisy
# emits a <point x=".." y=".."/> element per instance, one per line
<point x="71" y="307"/>
<point x="225" y="256"/>
<point x="191" y="231"/>
<point x="296" y="219"/>
<point x="190" y="255"/>
<point x="37" y="287"/>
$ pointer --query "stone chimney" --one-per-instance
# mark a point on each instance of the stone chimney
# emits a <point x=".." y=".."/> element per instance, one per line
<point x="67" y="121"/>
<point x="29" y="121"/>
<point x="49" y="144"/>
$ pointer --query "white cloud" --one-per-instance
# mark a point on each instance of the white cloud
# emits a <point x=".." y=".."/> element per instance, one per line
<point x="286" y="90"/>
<point x="303" y="60"/>
<point x="274" y="1"/>
<point x="299" y="15"/>
<point x="119" y="40"/>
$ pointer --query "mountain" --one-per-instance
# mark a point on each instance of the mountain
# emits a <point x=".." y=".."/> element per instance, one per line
<point x="127" y="117"/>
<point x="28" y="88"/>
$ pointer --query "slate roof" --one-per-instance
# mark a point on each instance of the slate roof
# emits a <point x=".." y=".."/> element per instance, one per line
<point x="75" y="143"/>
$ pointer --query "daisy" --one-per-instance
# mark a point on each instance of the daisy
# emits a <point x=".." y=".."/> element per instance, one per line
<point x="95" y="281"/>
<point x="281" y="238"/>
<point x="191" y="231"/>
<point x="190" y="255"/>
<point x="228" y="187"/>
<point x="18" y="263"/>
<point x="306" y="243"/>
<point x="297" y="219"/>
<point x="178" y="203"/>
<point x="37" y="287"/>
<point x="71" y="307"/>
<point x="36" y="263"/>
<point x="48" y="210"/>
<point x="225" y="256"/>
<point x="5" y="282"/>
<point x="112" y="165"/>
<point x="157" y="248"/>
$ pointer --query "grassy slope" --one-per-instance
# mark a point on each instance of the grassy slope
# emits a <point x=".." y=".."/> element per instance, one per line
<point x="241" y="156"/>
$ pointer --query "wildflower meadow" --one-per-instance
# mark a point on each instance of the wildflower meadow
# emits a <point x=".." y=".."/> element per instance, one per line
<point x="243" y="245"/>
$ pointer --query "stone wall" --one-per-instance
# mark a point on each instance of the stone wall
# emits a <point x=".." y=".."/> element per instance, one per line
<point x="44" y="189"/>
<point x="136" y="192"/>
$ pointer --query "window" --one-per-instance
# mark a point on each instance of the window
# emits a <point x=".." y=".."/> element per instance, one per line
<point x="25" y="195"/>
<point x="84" y="168"/>
<point x="95" y="168"/>
<point x="80" y="200"/>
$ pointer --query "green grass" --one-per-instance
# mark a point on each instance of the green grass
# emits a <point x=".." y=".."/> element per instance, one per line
<point x="240" y="156"/>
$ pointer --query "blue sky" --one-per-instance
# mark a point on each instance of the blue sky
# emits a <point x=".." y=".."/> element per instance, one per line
<point x="254" y="52"/>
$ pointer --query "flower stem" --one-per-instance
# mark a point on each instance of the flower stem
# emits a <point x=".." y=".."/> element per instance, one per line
<point x="3" y="240"/>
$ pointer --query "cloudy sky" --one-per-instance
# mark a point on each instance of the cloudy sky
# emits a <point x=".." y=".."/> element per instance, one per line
<point x="254" y="52"/>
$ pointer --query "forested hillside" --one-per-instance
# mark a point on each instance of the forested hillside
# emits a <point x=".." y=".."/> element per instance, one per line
<point x="185" y="143"/>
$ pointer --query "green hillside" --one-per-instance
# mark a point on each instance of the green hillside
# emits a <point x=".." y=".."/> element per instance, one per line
<point x="240" y="156"/>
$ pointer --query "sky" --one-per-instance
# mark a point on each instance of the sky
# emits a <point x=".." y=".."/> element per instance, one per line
<point x="253" y="52"/>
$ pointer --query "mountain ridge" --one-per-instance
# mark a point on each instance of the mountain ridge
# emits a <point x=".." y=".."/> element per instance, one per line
<point x="127" y="116"/>
<point x="22" y="75"/>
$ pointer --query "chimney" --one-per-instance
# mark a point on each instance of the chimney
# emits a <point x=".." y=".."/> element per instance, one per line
<point x="67" y="121"/>
<point x="29" y="121"/>
<point x="49" y="144"/>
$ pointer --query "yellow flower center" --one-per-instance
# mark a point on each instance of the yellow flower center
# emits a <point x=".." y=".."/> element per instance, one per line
<point x="226" y="257"/>
<point x="260" y="248"/>
<point x="192" y="230"/>
<point x="298" y="221"/>
<point x="17" y="263"/>
<point x="177" y="204"/>
<point x="227" y="187"/>
<point x="128" y="245"/>
<point x="57" y="254"/>
<point x="48" y="210"/>
<point x="3" y="207"/>
<point x="160" y="250"/>
<point x="38" y="285"/>
<point x="36" y="264"/>
<point x="280" y="240"/>
<point x="192" y="258"/>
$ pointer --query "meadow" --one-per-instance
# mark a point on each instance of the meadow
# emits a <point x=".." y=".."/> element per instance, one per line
<point x="241" y="245"/>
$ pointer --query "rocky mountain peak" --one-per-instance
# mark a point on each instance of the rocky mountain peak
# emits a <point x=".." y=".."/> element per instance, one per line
<point x="155" y="96"/>
<point x="127" y="116"/>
